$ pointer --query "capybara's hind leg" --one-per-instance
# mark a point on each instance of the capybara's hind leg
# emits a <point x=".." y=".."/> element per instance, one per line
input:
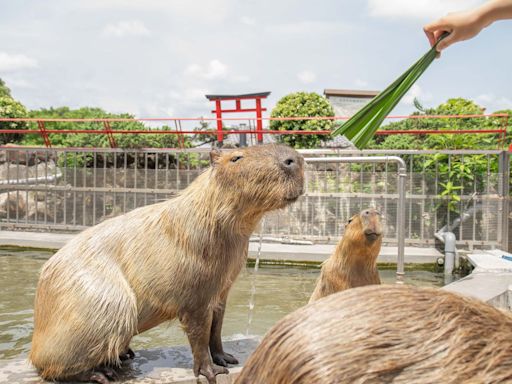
<point x="218" y="355"/>
<point x="197" y="325"/>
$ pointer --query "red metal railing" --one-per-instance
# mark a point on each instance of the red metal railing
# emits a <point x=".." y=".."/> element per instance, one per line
<point x="108" y="130"/>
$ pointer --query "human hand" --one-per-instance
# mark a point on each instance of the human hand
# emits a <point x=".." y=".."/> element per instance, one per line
<point x="460" y="26"/>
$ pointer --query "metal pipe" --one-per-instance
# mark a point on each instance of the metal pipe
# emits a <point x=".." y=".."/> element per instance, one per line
<point x="402" y="174"/>
<point x="450" y="252"/>
<point x="32" y="180"/>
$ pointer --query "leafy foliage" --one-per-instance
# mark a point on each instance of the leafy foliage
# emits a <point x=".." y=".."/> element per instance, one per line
<point x="4" y="91"/>
<point x="100" y="140"/>
<point x="12" y="109"/>
<point x="302" y="104"/>
<point x="361" y="127"/>
<point x="455" y="106"/>
<point x="459" y="172"/>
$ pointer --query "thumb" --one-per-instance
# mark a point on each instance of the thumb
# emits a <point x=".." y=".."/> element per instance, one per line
<point x="447" y="41"/>
<point x="435" y="30"/>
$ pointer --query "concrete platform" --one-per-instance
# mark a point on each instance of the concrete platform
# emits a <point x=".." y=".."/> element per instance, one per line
<point x="490" y="281"/>
<point x="320" y="252"/>
<point x="269" y="251"/>
<point x="154" y="366"/>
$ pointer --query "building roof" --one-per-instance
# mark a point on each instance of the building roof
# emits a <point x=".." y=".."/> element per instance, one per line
<point x="239" y="96"/>
<point x="350" y="93"/>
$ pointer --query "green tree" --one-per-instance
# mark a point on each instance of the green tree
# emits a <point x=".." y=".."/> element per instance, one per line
<point x="4" y="91"/>
<point x="455" y="106"/>
<point x="302" y="104"/>
<point x="11" y="108"/>
<point x="501" y="122"/>
<point x="99" y="140"/>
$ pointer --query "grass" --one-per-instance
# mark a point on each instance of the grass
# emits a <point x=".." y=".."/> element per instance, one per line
<point x="361" y="127"/>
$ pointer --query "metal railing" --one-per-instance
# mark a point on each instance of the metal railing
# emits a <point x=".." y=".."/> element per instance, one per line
<point x="116" y="127"/>
<point x="67" y="189"/>
<point x="402" y="174"/>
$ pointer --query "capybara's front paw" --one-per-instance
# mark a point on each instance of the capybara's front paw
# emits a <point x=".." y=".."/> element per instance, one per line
<point x="128" y="355"/>
<point x="224" y="359"/>
<point x="100" y="375"/>
<point x="210" y="371"/>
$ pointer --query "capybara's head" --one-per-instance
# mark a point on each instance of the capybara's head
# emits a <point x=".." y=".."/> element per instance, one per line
<point x="386" y="334"/>
<point x="259" y="178"/>
<point x="364" y="227"/>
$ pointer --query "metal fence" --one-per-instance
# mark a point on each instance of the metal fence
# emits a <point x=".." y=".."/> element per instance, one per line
<point x="71" y="189"/>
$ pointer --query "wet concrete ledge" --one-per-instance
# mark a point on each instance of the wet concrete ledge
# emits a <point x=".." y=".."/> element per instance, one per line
<point x="152" y="366"/>
<point x="490" y="281"/>
<point x="277" y="252"/>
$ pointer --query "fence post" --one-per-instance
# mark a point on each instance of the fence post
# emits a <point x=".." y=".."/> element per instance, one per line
<point x="402" y="174"/>
<point x="504" y="189"/>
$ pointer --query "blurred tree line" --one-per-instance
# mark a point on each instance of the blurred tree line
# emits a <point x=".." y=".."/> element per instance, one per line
<point x="14" y="109"/>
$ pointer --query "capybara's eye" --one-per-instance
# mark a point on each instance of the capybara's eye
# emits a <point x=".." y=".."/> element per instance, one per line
<point x="234" y="159"/>
<point x="350" y="220"/>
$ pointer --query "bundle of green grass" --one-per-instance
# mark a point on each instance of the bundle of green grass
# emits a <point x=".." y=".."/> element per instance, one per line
<point x="361" y="127"/>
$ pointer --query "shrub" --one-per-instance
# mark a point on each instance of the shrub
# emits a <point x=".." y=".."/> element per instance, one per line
<point x="302" y="104"/>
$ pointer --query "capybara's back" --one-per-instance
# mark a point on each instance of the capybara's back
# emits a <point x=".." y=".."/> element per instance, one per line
<point x="354" y="261"/>
<point x="175" y="259"/>
<point x="386" y="334"/>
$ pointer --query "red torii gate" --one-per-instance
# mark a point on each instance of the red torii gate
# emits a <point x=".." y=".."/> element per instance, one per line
<point x="257" y="97"/>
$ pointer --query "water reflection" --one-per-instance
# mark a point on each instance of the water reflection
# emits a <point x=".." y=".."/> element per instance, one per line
<point x="275" y="291"/>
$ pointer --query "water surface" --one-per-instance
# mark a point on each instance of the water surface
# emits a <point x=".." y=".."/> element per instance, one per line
<point x="273" y="292"/>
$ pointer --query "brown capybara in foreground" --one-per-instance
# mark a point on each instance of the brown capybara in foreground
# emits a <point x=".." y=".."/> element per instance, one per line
<point x="176" y="259"/>
<point x="386" y="334"/>
<point x="354" y="261"/>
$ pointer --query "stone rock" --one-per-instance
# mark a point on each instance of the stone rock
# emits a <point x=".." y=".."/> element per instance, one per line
<point x="153" y="366"/>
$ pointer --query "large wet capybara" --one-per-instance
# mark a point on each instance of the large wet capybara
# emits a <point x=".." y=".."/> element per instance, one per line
<point x="386" y="334"/>
<point x="176" y="259"/>
<point x="354" y="261"/>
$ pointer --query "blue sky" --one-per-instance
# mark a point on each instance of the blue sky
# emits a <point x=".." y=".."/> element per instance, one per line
<point x="157" y="58"/>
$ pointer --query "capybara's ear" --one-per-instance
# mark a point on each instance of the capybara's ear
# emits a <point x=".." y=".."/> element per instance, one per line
<point x="214" y="157"/>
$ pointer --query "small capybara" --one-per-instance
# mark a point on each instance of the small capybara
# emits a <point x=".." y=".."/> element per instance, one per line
<point x="354" y="261"/>
<point x="175" y="259"/>
<point x="386" y="334"/>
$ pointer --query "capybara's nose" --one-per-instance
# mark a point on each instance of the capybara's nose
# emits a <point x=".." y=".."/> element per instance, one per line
<point x="290" y="162"/>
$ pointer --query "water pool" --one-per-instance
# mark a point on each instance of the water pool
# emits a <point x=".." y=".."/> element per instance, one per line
<point x="272" y="292"/>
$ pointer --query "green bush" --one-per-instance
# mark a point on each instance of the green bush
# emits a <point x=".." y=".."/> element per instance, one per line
<point x="100" y="140"/>
<point x="4" y="91"/>
<point x="302" y="104"/>
<point x="12" y="109"/>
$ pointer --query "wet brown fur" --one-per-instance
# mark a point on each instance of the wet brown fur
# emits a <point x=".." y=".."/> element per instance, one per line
<point x="386" y="334"/>
<point x="173" y="259"/>
<point x="354" y="261"/>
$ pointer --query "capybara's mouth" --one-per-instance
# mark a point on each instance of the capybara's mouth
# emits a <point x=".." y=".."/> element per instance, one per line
<point x="292" y="199"/>
<point x="372" y="236"/>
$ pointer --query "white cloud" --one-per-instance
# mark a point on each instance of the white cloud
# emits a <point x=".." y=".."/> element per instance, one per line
<point x="306" y="76"/>
<point x="13" y="62"/>
<point x="360" y="83"/>
<point x="315" y="28"/>
<point x="416" y="93"/>
<point x="493" y="102"/>
<point x="417" y="9"/>
<point x="126" y="28"/>
<point x="213" y="70"/>
<point x="241" y="79"/>
<point x="205" y="11"/>
<point x="248" y="21"/>
<point x="19" y="83"/>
